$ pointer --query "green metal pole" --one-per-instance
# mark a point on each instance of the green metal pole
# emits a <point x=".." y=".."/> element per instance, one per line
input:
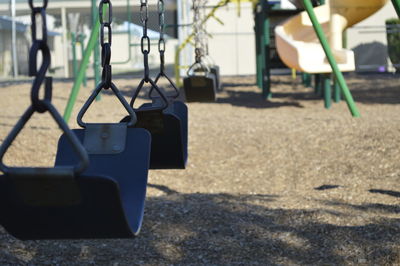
<point x="92" y="43"/>
<point x="337" y="96"/>
<point x="259" y="45"/>
<point x="327" y="91"/>
<point x="258" y="48"/>
<point x="317" y="84"/>
<point x="96" y="52"/>
<point x="266" y="57"/>
<point x="82" y="42"/>
<point x="74" y="60"/>
<point x="396" y="4"/>
<point x="306" y="79"/>
<point x="321" y="36"/>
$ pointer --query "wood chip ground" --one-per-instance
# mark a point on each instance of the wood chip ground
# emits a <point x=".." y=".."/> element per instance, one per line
<point x="279" y="182"/>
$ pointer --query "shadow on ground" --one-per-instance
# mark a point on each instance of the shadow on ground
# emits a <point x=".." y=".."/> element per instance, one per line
<point x="377" y="94"/>
<point x="252" y="99"/>
<point x="224" y="229"/>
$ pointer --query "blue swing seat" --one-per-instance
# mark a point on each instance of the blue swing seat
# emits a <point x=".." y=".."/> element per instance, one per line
<point x="169" y="131"/>
<point x="128" y="170"/>
<point x="105" y="201"/>
<point x="201" y="88"/>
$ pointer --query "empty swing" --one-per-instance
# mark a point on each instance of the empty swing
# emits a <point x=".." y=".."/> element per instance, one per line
<point x="164" y="118"/>
<point x="200" y="85"/>
<point x="91" y="192"/>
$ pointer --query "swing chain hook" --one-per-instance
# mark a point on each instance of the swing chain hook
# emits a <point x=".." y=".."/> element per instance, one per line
<point x="39" y="45"/>
<point x="197" y="30"/>
<point x="161" y="41"/>
<point x="105" y="7"/>
<point x="145" y="40"/>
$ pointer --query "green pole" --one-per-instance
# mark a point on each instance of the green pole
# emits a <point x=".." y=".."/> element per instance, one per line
<point x="317" y="84"/>
<point x="327" y="91"/>
<point x="74" y="60"/>
<point x="337" y="96"/>
<point x="306" y="79"/>
<point x="321" y="36"/>
<point x="396" y="4"/>
<point x="258" y="37"/>
<point x="96" y="51"/>
<point x="257" y="42"/>
<point x="82" y="42"/>
<point x="92" y="43"/>
<point x="266" y="36"/>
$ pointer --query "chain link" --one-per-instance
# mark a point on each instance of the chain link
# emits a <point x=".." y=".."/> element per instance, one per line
<point x="39" y="45"/>
<point x="32" y="5"/>
<point x="105" y="7"/>
<point x="145" y="40"/>
<point x="198" y="29"/>
<point x="144" y="18"/>
<point x="161" y="41"/>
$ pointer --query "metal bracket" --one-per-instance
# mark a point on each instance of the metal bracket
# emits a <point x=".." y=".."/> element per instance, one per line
<point x="105" y="138"/>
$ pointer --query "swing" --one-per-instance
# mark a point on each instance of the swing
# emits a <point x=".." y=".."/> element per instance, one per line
<point x="214" y="69"/>
<point x="200" y="84"/>
<point x="83" y="196"/>
<point x="164" y="118"/>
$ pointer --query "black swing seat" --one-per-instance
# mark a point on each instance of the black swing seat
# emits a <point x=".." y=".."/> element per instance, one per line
<point x="169" y="131"/>
<point x="105" y="201"/>
<point x="200" y="88"/>
<point x="214" y="69"/>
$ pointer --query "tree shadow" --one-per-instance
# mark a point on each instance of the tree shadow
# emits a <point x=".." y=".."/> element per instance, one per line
<point x="251" y="99"/>
<point x="372" y="207"/>
<point x="325" y="187"/>
<point x="222" y="229"/>
<point x="386" y="192"/>
<point x="377" y="90"/>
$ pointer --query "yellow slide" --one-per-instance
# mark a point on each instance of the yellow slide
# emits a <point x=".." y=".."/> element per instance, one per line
<point x="299" y="47"/>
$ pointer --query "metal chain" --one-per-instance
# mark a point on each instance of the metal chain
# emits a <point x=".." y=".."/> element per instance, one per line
<point x="39" y="45"/>
<point x="161" y="49"/>
<point x="145" y="47"/>
<point x="204" y="32"/>
<point x="198" y="29"/>
<point x="161" y="41"/>
<point x="105" y="7"/>
<point x="145" y="40"/>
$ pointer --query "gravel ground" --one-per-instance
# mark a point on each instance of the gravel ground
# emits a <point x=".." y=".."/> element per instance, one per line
<point x="282" y="182"/>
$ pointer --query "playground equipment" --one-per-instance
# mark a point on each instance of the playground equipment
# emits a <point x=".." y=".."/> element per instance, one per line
<point x="200" y="85"/>
<point x="166" y="119"/>
<point x="95" y="190"/>
<point x="296" y="39"/>
<point x="190" y="37"/>
<point x="214" y="68"/>
<point x="265" y="12"/>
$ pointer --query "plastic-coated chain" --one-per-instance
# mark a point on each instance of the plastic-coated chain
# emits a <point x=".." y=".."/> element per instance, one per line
<point x="39" y="45"/>
<point x="105" y="27"/>
<point x="161" y="41"/>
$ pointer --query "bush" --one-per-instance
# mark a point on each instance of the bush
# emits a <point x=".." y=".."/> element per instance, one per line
<point x="393" y="40"/>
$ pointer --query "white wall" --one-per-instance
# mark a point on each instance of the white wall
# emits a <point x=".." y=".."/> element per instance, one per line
<point x="366" y="33"/>
<point x="232" y="46"/>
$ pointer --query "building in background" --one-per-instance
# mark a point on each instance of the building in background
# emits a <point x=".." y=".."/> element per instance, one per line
<point x="232" y="45"/>
<point x="23" y="45"/>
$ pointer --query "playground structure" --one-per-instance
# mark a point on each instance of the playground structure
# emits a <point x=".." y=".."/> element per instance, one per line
<point x="108" y="153"/>
<point x="100" y="172"/>
<point x="295" y="39"/>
